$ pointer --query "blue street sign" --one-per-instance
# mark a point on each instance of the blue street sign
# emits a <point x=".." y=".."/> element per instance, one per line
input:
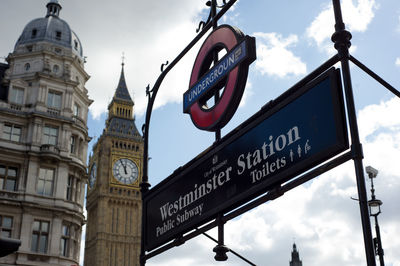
<point x="299" y="130"/>
<point x="215" y="74"/>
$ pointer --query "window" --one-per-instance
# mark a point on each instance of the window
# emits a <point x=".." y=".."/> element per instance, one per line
<point x="73" y="144"/>
<point x="11" y="132"/>
<point x="34" y="33"/>
<point x="56" y="68"/>
<point x="45" y="182"/>
<point x="78" y="190"/>
<point x="76" y="110"/>
<point x="65" y="240"/>
<point x="6" y="224"/>
<point x="50" y="135"/>
<point x="54" y="100"/>
<point x="69" y="187"/>
<point x="40" y="236"/>
<point x="17" y="95"/>
<point x="8" y="177"/>
<point x="58" y="35"/>
<point x="75" y="44"/>
<point x="27" y="66"/>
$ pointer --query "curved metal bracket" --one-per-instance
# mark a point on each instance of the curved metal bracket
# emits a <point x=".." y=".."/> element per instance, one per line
<point x="213" y="6"/>
<point x="201" y="26"/>
<point x="163" y="65"/>
<point x="148" y="91"/>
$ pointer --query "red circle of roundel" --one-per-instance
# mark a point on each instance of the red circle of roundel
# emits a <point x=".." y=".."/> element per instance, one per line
<point x="218" y="116"/>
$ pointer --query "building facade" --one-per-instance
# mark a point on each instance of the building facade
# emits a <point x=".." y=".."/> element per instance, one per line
<point x="43" y="143"/>
<point x="113" y="197"/>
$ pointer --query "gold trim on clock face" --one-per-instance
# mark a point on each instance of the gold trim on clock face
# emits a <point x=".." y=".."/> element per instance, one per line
<point x="125" y="171"/>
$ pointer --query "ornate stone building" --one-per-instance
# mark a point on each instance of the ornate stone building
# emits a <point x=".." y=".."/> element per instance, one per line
<point x="113" y="198"/>
<point x="43" y="143"/>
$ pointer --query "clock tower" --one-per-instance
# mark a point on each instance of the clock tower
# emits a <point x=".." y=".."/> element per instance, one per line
<point x="113" y="197"/>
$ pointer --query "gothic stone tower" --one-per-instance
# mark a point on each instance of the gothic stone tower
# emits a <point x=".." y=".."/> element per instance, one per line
<point x="113" y="196"/>
<point x="295" y="257"/>
<point x="43" y="143"/>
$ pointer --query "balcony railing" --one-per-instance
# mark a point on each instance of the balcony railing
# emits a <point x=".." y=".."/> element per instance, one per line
<point x="53" y="111"/>
<point x="15" y="106"/>
<point x="50" y="149"/>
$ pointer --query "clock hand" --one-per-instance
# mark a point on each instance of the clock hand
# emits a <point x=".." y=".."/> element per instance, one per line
<point x="123" y="166"/>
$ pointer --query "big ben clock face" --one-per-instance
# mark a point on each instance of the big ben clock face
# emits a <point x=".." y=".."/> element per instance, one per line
<point x="92" y="177"/>
<point x="125" y="171"/>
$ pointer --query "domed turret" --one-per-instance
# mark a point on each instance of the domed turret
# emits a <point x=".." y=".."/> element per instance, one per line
<point x="50" y="29"/>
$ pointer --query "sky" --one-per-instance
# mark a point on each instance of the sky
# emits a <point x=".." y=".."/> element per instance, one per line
<point x="292" y="39"/>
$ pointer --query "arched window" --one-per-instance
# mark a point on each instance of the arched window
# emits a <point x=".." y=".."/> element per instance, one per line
<point x="27" y="66"/>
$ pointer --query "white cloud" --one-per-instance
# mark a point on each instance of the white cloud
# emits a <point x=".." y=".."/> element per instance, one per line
<point x="356" y="18"/>
<point x="274" y="58"/>
<point x="148" y="39"/>
<point x="397" y="61"/>
<point x="319" y="28"/>
<point x="372" y="120"/>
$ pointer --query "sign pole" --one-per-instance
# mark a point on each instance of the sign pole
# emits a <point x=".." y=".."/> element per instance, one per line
<point x="215" y="25"/>
<point x="341" y="38"/>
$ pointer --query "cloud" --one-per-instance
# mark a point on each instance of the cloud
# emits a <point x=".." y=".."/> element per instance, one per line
<point x="380" y="126"/>
<point x="356" y="18"/>
<point x="141" y="30"/>
<point x="274" y="58"/>
<point x="397" y="61"/>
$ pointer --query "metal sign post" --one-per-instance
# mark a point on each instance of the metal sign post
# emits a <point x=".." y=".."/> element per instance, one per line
<point x="341" y="38"/>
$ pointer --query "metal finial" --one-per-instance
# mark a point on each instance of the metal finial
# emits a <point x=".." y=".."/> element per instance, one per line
<point x="123" y="58"/>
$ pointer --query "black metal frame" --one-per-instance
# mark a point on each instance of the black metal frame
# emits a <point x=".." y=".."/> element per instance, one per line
<point x="341" y="39"/>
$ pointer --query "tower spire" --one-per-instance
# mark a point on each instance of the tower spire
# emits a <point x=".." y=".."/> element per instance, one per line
<point x="122" y="93"/>
<point x="295" y="257"/>
<point x="121" y="104"/>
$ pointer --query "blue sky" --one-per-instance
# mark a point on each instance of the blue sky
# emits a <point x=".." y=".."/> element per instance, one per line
<point x="292" y="39"/>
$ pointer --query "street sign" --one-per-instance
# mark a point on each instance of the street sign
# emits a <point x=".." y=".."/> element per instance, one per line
<point x="300" y="129"/>
<point x="229" y="73"/>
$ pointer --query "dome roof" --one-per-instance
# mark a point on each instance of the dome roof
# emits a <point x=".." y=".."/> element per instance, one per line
<point x="50" y="29"/>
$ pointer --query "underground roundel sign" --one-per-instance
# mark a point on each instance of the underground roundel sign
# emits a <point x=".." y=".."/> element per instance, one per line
<point x="228" y="74"/>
